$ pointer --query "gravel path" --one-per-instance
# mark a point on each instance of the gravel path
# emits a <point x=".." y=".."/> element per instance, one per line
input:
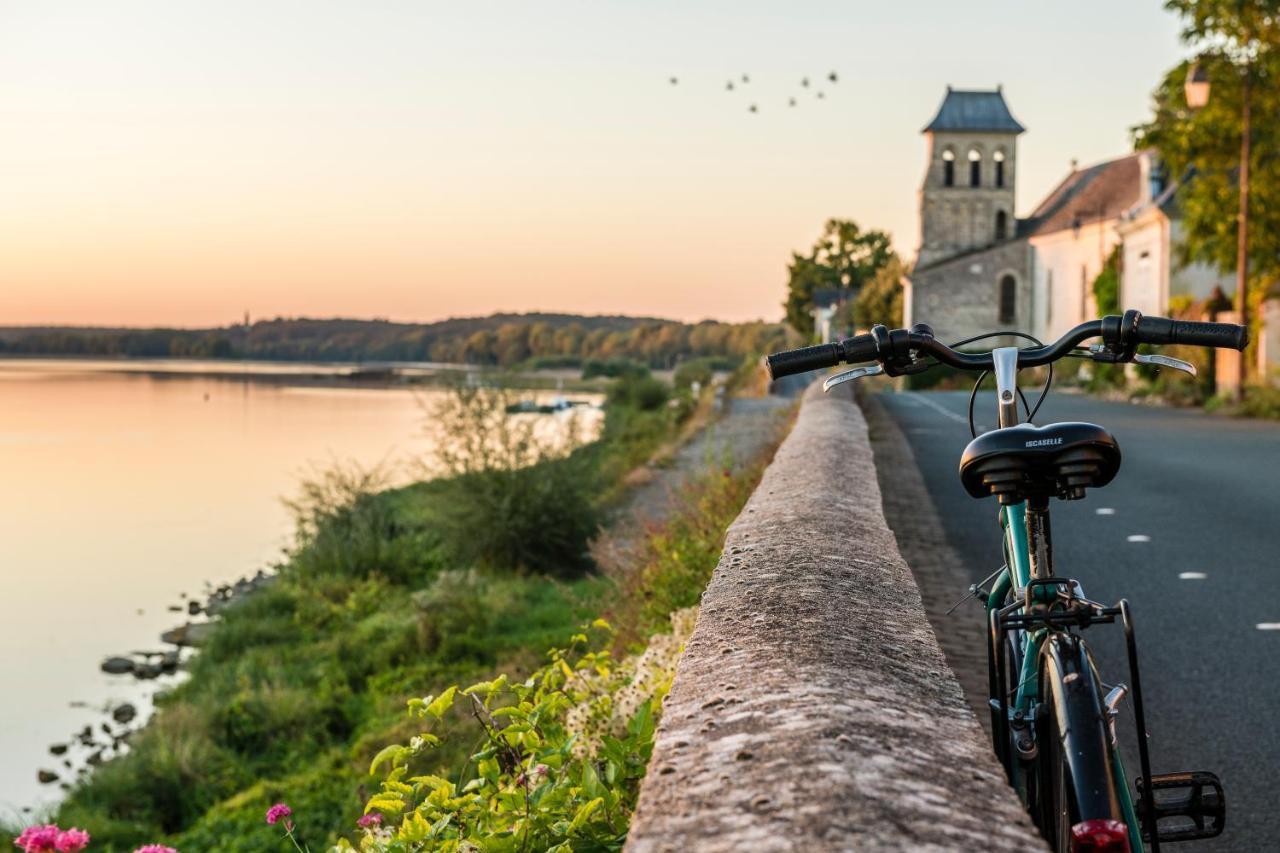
<point x="748" y="427"/>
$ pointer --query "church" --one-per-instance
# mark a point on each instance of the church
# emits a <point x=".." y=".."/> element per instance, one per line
<point x="980" y="268"/>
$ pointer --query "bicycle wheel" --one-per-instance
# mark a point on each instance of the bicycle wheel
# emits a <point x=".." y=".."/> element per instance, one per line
<point x="1074" y="788"/>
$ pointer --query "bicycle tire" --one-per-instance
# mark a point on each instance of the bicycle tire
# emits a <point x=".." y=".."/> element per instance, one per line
<point x="1075" y="777"/>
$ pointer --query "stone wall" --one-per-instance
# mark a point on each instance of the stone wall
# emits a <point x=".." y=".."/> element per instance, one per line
<point x="812" y="709"/>
<point x="960" y="297"/>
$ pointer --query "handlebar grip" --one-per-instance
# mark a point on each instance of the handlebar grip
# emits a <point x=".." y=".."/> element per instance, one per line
<point x="1162" y="330"/>
<point x="804" y="359"/>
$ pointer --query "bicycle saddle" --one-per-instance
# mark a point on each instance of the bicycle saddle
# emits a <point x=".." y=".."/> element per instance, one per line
<point x="1024" y="461"/>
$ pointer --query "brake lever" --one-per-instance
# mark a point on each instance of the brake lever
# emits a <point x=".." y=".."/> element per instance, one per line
<point x="1166" y="361"/>
<point x="850" y="375"/>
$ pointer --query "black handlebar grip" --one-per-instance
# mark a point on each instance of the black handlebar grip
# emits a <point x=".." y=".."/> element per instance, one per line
<point x="791" y="362"/>
<point x="1161" y="330"/>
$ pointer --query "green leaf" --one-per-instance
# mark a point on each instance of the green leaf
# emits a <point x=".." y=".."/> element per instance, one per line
<point x="385" y="803"/>
<point x="583" y="814"/>
<point x="388" y="753"/>
<point x="437" y="706"/>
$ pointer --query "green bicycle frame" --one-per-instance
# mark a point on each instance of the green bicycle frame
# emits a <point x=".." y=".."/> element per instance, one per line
<point x="1020" y="568"/>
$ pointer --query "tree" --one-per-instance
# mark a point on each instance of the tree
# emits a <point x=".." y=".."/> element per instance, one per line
<point x="880" y="300"/>
<point x="844" y="258"/>
<point x="1238" y="42"/>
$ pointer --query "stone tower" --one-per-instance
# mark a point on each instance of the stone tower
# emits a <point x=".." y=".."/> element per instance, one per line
<point x="966" y="200"/>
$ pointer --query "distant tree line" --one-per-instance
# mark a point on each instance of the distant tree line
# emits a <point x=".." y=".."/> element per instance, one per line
<point x="503" y="340"/>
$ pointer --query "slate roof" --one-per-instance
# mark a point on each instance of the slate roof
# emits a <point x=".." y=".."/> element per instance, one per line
<point x="974" y="111"/>
<point x="1104" y="191"/>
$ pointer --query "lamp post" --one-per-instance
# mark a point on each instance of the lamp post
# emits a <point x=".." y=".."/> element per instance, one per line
<point x="1197" y="93"/>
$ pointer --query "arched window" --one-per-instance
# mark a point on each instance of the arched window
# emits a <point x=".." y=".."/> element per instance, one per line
<point x="1002" y="222"/>
<point x="1008" y="299"/>
<point x="998" y="156"/>
<point x="975" y="168"/>
<point x="948" y="168"/>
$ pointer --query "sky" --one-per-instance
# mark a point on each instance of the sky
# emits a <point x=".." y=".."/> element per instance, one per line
<point x="180" y="163"/>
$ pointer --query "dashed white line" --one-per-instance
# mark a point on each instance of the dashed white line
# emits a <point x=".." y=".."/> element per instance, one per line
<point x="1139" y="537"/>
<point x="1105" y="510"/>
<point x="1192" y="576"/>
<point x="1269" y="626"/>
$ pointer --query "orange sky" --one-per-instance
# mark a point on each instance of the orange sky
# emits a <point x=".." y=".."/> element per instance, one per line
<point x="182" y="162"/>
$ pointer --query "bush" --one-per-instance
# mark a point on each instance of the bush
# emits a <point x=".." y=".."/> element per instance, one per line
<point x="639" y="392"/>
<point x="517" y="500"/>
<point x="700" y="370"/>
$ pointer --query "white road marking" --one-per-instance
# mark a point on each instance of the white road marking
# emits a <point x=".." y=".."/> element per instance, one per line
<point x="1139" y="537"/>
<point x="1269" y="626"/>
<point x="937" y="407"/>
<point x="1105" y="510"/>
<point x="1192" y="576"/>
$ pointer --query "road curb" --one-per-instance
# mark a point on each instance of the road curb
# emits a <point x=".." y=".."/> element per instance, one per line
<point x="812" y="708"/>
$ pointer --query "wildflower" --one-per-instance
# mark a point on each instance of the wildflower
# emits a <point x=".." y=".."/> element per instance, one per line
<point x="276" y="812"/>
<point x="72" y="841"/>
<point x="155" y="848"/>
<point x="369" y="820"/>
<point x="38" y="839"/>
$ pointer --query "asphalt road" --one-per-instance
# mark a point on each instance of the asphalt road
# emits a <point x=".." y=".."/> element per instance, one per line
<point x="1189" y="532"/>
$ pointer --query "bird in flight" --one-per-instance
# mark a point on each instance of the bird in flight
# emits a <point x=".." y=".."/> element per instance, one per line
<point x="791" y="102"/>
<point x="822" y="94"/>
<point x="805" y="82"/>
<point x="753" y="109"/>
<point x="674" y="80"/>
<point x="729" y="86"/>
<point x="833" y="77"/>
<point x="746" y="79"/>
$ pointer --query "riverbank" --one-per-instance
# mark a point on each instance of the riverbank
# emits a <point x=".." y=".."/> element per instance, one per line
<point x="297" y="685"/>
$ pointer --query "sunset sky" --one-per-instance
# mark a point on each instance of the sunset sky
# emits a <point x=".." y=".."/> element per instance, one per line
<point x="174" y="162"/>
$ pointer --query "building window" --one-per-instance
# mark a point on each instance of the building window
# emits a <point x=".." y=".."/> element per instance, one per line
<point x="1002" y="222"/>
<point x="999" y="158"/>
<point x="948" y="168"/>
<point x="1008" y="299"/>
<point x="975" y="168"/>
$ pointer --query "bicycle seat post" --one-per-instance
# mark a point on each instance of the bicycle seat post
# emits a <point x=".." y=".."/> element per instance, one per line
<point x="1006" y="370"/>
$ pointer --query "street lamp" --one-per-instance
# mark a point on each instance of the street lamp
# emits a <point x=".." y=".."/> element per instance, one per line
<point x="1197" y="93"/>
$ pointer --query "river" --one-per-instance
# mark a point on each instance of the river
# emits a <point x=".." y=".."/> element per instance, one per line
<point x="121" y="492"/>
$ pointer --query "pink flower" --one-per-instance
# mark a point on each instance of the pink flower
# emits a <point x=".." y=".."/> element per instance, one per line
<point x="371" y="819"/>
<point x="38" y="839"/>
<point x="72" y="841"/>
<point x="155" y="848"/>
<point x="276" y="812"/>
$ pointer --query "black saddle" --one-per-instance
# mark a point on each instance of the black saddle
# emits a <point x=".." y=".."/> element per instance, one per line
<point x="1025" y="461"/>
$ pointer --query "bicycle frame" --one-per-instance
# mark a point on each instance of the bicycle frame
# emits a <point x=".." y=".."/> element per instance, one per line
<point x="1028" y="550"/>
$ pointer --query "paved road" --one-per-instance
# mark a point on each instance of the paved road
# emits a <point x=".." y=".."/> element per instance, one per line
<point x="1206" y="491"/>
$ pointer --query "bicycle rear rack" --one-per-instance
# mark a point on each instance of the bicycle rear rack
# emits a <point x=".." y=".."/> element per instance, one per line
<point x="1037" y="612"/>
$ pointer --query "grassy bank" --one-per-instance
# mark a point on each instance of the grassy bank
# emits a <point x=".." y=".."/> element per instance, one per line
<point x="390" y="595"/>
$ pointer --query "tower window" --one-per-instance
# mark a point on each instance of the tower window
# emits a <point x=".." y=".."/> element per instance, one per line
<point x="948" y="168"/>
<point x="999" y="158"/>
<point x="975" y="168"/>
<point x="1002" y="218"/>
<point x="1008" y="299"/>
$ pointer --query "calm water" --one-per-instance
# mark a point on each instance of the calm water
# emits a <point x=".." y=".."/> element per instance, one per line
<point x="122" y="491"/>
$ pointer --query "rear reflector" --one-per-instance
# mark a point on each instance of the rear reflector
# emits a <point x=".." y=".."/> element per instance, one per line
<point x="1100" y="836"/>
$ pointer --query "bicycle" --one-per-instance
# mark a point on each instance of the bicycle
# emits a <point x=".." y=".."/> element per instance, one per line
<point x="1053" y="728"/>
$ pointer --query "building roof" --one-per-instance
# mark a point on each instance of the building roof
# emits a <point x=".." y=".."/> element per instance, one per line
<point x="974" y="111"/>
<point x="1104" y="191"/>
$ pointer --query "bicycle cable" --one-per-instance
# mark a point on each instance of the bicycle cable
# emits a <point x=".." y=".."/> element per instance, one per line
<point x="973" y="395"/>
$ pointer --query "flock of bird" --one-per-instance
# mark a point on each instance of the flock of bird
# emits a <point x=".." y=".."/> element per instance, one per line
<point x="832" y="77"/>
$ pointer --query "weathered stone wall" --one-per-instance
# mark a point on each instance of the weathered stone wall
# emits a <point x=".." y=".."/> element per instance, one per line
<point x="960" y="297"/>
<point x="812" y="709"/>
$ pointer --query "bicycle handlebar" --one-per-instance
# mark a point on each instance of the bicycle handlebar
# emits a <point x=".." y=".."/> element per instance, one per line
<point x="1120" y="334"/>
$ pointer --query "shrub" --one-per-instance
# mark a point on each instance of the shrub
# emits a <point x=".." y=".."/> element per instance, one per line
<point x="517" y="499"/>
<point x="700" y="370"/>
<point x="639" y="392"/>
<point x="561" y="760"/>
<point x="613" y="368"/>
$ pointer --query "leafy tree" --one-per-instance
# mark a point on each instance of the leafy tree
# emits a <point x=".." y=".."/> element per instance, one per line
<point x="1106" y="287"/>
<point x="1239" y="44"/>
<point x="844" y="258"/>
<point x="880" y="300"/>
